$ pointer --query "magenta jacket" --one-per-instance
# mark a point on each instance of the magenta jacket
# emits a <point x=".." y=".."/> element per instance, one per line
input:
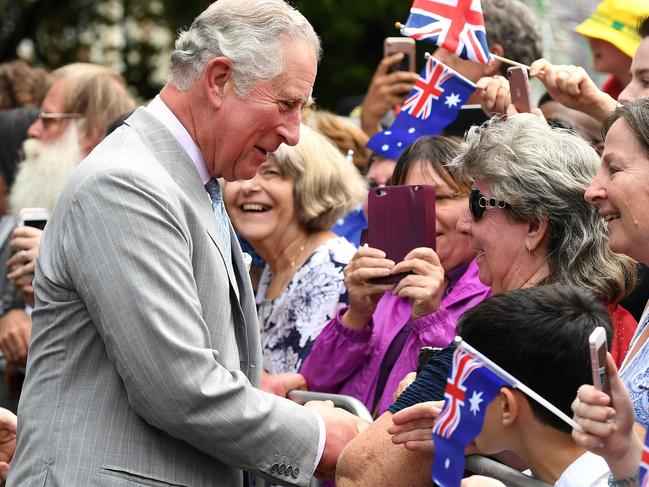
<point x="346" y="361"/>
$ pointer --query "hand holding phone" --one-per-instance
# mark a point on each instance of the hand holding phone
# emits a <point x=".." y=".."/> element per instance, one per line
<point x="400" y="219"/>
<point x="34" y="217"/>
<point x="598" y="348"/>
<point x="519" y="87"/>
<point x="405" y="45"/>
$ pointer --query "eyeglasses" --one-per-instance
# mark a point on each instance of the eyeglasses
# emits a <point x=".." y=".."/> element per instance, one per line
<point x="50" y="119"/>
<point x="478" y="203"/>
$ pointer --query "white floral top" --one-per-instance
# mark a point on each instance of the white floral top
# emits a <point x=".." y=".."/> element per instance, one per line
<point x="291" y="323"/>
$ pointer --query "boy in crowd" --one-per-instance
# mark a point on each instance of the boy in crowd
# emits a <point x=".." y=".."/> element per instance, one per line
<point x="540" y="336"/>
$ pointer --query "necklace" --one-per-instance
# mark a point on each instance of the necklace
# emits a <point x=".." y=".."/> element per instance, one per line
<point x="299" y="253"/>
<point x="283" y="281"/>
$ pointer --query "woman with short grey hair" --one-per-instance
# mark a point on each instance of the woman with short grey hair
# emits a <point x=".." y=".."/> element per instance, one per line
<point x="530" y="181"/>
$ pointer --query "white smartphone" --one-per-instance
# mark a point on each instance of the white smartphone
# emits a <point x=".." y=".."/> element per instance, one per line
<point x="519" y="86"/>
<point x="34" y="217"/>
<point x="598" y="348"/>
<point x="406" y="45"/>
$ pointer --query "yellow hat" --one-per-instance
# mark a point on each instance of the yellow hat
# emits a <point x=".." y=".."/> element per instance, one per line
<point x="616" y="21"/>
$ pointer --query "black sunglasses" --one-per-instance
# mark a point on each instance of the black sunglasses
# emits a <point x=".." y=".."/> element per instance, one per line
<point x="478" y="203"/>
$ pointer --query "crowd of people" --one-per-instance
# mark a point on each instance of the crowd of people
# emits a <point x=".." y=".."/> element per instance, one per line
<point x="203" y="254"/>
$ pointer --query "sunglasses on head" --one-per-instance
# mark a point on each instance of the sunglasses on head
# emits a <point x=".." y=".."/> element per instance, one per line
<point x="478" y="203"/>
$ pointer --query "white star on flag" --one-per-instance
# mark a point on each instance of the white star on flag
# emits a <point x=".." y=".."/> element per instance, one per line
<point x="476" y="399"/>
<point x="452" y="100"/>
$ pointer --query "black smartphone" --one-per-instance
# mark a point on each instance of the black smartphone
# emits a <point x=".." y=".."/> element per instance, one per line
<point x="34" y="217"/>
<point x="425" y="355"/>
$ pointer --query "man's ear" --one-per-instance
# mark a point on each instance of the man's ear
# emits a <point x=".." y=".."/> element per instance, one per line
<point x="536" y="233"/>
<point x="90" y="140"/>
<point x="216" y="76"/>
<point x="495" y="68"/>
<point x="509" y="406"/>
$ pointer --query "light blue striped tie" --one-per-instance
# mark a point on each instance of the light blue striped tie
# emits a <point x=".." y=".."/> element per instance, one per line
<point x="222" y="220"/>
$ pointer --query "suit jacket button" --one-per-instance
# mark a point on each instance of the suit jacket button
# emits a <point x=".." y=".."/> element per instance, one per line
<point x="296" y="472"/>
<point x="281" y="469"/>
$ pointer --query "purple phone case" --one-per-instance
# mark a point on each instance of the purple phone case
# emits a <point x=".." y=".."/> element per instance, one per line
<point x="401" y="218"/>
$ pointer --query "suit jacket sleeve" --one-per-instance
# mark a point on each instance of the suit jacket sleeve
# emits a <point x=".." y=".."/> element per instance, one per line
<point x="128" y="245"/>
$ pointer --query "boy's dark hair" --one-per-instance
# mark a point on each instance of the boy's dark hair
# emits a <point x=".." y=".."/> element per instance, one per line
<point x="540" y="336"/>
<point x="643" y="27"/>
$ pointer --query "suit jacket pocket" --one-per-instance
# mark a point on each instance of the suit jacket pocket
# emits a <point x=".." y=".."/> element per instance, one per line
<point x="120" y="477"/>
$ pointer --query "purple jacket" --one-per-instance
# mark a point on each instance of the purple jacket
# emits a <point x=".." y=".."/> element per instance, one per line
<point x="346" y="361"/>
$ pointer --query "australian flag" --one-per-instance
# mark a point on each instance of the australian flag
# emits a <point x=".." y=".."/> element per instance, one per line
<point x="469" y="390"/>
<point x="433" y="103"/>
<point x="455" y="25"/>
<point x="644" y="464"/>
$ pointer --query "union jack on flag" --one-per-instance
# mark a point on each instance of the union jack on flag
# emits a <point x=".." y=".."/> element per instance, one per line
<point x="427" y="88"/>
<point x="471" y="386"/>
<point x="455" y="25"/>
<point x="432" y="105"/>
<point x="644" y="464"/>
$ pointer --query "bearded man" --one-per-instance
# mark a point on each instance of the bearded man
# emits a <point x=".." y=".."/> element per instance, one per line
<point x="81" y="101"/>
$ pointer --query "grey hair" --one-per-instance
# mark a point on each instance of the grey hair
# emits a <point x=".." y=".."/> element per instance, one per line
<point x="543" y="173"/>
<point x="513" y="25"/>
<point x="251" y="33"/>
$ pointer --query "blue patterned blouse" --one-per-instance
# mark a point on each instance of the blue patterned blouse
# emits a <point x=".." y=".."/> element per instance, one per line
<point x="635" y="374"/>
<point x="291" y="323"/>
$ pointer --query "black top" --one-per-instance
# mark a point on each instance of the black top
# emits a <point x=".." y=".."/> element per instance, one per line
<point x="430" y="383"/>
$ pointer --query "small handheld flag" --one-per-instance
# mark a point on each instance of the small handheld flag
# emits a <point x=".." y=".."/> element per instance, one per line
<point x="469" y="390"/>
<point x="433" y="103"/>
<point x="455" y="25"/>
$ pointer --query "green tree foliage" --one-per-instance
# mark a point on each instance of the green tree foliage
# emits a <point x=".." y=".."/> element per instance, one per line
<point x="136" y="36"/>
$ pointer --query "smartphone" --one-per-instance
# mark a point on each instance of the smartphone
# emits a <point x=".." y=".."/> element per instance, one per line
<point x="426" y="354"/>
<point x="400" y="219"/>
<point x="598" y="348"/>
<point x="406" y="45"/>
<point x="519" y="87"/>
<point x="34" y="217"/>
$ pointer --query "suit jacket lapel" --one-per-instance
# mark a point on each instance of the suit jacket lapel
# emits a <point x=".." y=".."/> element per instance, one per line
<point x="182" y="169"/>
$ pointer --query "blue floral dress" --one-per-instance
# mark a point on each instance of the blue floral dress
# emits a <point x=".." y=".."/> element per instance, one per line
<point x="635" y="374"/>
<point x="291" y="323"/>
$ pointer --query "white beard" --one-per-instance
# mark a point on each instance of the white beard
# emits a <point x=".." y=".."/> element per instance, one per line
<point x="42" y="175"/>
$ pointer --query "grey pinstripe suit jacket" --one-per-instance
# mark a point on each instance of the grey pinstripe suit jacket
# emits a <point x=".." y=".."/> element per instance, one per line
<point x="144" y="348"/>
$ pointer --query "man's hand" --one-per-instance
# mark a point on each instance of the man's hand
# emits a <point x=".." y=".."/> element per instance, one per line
<point x="342" y="427"/>
<point x="15" y="333"/>
<point x="404" y="384"/>
<point x="24" y="243"/>
<point x="413" y="426"/>
<point x="7" y="440"/>
<point x="572" y="87"/>
<point x="386" y="90"/>
<point x="281" y="384"/>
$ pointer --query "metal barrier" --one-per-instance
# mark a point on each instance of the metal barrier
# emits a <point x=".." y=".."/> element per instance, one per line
<point x="474" y="463"/>
<point x="509" y="476"/>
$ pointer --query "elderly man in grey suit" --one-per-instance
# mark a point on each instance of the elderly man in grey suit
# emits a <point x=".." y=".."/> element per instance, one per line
<point x="145" y="347"/>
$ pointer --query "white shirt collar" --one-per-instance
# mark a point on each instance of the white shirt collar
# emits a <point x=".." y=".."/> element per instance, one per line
<point x="163" y="113"/>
